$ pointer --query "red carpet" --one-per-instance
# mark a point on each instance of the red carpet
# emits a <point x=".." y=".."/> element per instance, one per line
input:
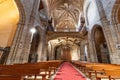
<point x="68" y="72"/>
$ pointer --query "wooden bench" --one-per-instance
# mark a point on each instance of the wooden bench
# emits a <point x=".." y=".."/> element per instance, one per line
<point x="10" y="77"/>
<point x="19" y="72"/>
<point x="113" y="74"/>
<point x="53" y="64"/>
<point x="81" y="65"/>
<point x="30" y="68"/>
<point x="21" y="69"/>
<point x="110" y="74"/>
<point x="99" y="70"/>
<point x="45" y="66"/>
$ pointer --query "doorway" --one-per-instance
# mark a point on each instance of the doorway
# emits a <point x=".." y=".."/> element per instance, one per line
<point x="101" y="46"/>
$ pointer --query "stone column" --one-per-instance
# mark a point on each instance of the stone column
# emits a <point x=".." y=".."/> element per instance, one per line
<point x="92" y="51"/>
<point x="50" y="54"/>
<point x="88" y="55"/>
<point x="42" y="47"/>
<point x="17" y="43"/>
<point x="21" y="45"/>
<point x="27" y="41"/>
<point x="82" y="55"/>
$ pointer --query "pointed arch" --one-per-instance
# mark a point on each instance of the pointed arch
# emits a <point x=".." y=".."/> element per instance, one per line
<point x="100" y="44"/>
<point x="20" y="26"/>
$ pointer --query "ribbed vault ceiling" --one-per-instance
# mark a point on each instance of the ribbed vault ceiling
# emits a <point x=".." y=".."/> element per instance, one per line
<point x="65" y="13"/>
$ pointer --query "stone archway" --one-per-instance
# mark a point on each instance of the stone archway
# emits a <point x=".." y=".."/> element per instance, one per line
<point x="116" y="19"/>
<point x="63" y="53"/>
<point x="115" y="12"/>
<point x="101" y="47"/>
<point x="16" y="43"/>
<point x="9" y="17"/>
<point x="21" y="11"/>
<point x="21" y="45"/>
<point x="62" y="46"/>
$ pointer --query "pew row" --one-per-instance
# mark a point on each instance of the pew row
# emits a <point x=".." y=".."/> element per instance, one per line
<point x="99" y="70"/>
<point x="27" y="69"/>
<point x="11" y="77"/>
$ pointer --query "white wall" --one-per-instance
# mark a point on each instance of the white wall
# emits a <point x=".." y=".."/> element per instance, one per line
<point x="91" y="13"/>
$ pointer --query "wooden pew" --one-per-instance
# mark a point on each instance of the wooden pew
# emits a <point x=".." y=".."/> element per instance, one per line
<point x="81" y="65"/>
<point x="99" y="69"/>
<point x="54" y="65"/>
<point x="96" y="68"/>
<point x="23" y="69"/>
<point x="10" y="77"/>
<point x="44" y="66"/>
<point x="110" y="74"/>
<point x="113" y="74"/>
<point x="12" y="71"/>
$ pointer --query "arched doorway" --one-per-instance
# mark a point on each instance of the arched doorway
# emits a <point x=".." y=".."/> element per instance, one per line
<point x="116" y="12"/>
<point x="58" y="52"/>
<point x="66" y="48"/>
<point x="66" y="55"/>
<point x="33" y="56"/>
<point x="101" y="45"/>
<point x="62" y="53"/>
<point x="115" y="16"/>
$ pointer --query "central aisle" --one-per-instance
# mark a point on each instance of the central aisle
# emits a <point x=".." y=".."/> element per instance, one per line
<point x="68" y="72"/>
